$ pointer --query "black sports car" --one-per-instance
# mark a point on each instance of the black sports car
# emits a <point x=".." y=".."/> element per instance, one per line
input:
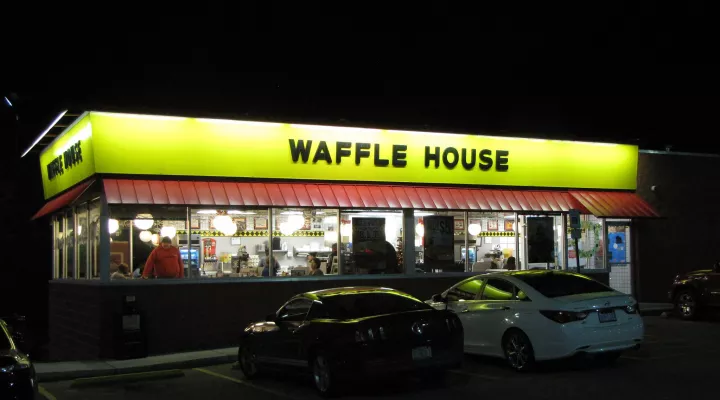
<point x="17" y="375"/>
<point x="346" y="333"/>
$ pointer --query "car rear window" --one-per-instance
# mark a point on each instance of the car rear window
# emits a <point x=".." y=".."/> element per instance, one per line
<point x="558" y="285"/>
<point x="351" y="306"/>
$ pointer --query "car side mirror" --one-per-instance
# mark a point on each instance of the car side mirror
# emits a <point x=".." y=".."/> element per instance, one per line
<point x="438" y="298"/>
<point x="270" y="318"/>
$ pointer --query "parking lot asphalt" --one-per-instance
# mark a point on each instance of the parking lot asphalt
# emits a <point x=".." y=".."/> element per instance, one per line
<point x="676" y="359"/>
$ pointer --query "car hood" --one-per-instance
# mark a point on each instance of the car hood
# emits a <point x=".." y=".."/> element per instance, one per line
<point x="693" y="274"/>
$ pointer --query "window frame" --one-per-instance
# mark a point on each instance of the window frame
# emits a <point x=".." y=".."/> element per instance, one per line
<point x="278" y="315"/>
<point x="514" y="295"/>
<point x="483" y="280"/>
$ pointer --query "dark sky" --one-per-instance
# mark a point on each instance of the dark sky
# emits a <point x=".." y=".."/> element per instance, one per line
<point x="636" y="72"/>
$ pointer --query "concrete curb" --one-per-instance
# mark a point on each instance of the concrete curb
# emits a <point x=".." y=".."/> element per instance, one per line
<point x="126" y="378"/>
<point x="49" y="372"/>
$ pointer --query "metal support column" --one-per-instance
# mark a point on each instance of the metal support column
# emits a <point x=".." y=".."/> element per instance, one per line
<point x="339" y="244"/>
<point x="606" y="259"/>
<point x="271" y="256"/>
<point x="63" y="262"/>
<point x="76" y="250"/>
<point x="104" y="245"/>
<point x="88" y="235"/>
<point x="131" y="232"/>
<point x="408" y="249"/>
<point x="467" y="243"/>
<point x="56" y="253"/>
<point x="563" y="244"/>
<point x="517" y="242"/>
<point x="189" y="243"/>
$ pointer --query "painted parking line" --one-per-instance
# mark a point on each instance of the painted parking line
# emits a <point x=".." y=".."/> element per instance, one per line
<point x="46" y="394"/>
<point x="483" y="376"/>
<point x="242" y="382"/>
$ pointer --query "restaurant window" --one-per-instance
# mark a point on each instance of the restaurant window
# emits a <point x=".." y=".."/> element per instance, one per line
<point x="82" y="241"/>
<point x="492" y="241"/>
<point x="70" y="271"/>
<point x="541" y="241"/>
<point x="591" y="252"/>
<point x="439" y="241"/>
<point x="371" y="242"/>
<point x="136" y="231"/>
<point x="305" y="237"/>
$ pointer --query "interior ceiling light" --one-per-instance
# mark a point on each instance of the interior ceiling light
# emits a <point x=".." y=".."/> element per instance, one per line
<point x="237" y="212"/>
<point x="474" y="229"/>
<point x="145" y="236"/>
<point x="113" y="225"/>
<point x="144" y="221"/>
<point x="210" y="212"/>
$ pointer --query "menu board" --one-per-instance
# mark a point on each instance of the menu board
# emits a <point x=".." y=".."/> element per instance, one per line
<point x="368" y="243"/>
<point x="439" y="250"/>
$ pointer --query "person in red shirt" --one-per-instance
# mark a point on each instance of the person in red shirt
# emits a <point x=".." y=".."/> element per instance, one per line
<point x="164" y="262"/>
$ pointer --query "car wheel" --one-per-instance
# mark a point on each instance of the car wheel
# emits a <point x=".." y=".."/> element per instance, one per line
<point x="248" y="362"/>
<point x="686" y="305"/>
<point x="518" y="350"/>
<point x="323" y="378"/>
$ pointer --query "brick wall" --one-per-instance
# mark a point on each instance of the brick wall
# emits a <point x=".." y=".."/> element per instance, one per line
<point x="185" y="316"/>
<point x="687" y="196"/>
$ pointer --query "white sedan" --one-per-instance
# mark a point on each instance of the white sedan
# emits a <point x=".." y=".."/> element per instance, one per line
<point x="528" y="316"/>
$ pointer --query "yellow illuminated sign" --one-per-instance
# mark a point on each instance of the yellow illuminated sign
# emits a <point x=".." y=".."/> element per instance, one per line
<point x="172" y="146"/>
<point x="69" y="159"/>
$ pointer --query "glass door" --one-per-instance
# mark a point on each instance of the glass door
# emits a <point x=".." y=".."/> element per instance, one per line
<point x="619" y="255"/>
<point x="541" y="242"/>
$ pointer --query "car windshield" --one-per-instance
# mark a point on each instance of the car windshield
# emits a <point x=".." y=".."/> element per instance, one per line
<point x="352" y="306"/>
<point x="558" y="285"/>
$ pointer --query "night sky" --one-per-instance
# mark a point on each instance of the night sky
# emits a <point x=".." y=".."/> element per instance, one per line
<point x="632" y="73"/>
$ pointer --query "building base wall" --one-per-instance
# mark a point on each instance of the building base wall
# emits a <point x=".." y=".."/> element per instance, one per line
<point x="86" y="316"/>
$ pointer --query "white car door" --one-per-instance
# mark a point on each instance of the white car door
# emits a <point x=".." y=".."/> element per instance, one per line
<point x="496" y="311"/>
<point x="462" y="299"/>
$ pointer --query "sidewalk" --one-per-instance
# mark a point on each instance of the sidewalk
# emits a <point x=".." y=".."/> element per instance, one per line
<point x="650" y="309"/>
<point x="65" y="370"/>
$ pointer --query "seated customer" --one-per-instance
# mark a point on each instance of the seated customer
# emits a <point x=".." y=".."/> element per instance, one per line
<point x="511" y="264"/>
<point x="315" y="268"/>
<point x="121" y="273"/>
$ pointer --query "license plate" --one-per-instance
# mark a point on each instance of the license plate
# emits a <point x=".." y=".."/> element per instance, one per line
<point x="607" y="316"/>
<point x="421" y="353"/>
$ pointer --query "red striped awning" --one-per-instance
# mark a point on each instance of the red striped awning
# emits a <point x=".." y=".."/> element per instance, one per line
<point x="63" y="200"/>
<point x="614" y="204"/>
<point x="331" y="195"/>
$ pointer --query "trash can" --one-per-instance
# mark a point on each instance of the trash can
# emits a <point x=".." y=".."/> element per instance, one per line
<point x="130" y="335"/>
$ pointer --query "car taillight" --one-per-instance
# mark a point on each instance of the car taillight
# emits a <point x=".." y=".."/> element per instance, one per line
<point x="631" y="309"/>
<point x="563" y="317"/>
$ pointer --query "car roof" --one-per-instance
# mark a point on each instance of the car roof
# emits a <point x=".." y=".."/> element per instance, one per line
<point x="350" y="290"/>
<point x="524" y="273"/>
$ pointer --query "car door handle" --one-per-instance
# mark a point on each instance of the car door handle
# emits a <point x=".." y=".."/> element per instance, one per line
<point x="498" y="308"/>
